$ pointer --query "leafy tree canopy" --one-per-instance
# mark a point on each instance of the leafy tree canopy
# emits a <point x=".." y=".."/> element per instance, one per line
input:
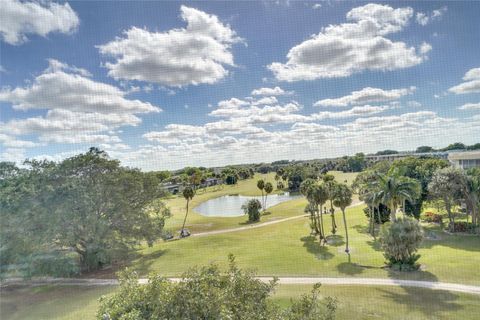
<point x="87" y="208"/>
<point x="208" y="293"/>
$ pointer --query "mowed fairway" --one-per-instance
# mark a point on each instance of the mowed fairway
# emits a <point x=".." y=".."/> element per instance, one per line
<point x="286" y="249"/>
<point x="354" y="302"/>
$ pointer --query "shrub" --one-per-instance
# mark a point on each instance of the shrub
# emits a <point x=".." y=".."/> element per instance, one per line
<point x="208" y="293"/>
<point x="400" y="241"/>
<point x="432" y="217"/>
<point x="252" y="209"/>
<point x="384" y="214"/>
<point x="463" y="226"/>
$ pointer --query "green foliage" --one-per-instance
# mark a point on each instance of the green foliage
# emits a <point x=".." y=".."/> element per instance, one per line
<point x="394" y="190"/>
<point x="386" y="152"/>
<point x="422" y="170"/>
<point x="400" y="241"/>
<point x="252" y="209"/>
<point x="207" y="293"/>
<point x="268" y="187"/>
<point x="424" y="149"/>
<point x="448" y="184"/>
<point x="455" y="146"/>
<point x="87" y="208"/>
<point x="355" y="163"/>
<point x="381" y="213"/>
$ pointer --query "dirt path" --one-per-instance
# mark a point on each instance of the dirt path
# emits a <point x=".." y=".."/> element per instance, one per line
<point x="281" y="280"/>
<point x="258" y="225"/>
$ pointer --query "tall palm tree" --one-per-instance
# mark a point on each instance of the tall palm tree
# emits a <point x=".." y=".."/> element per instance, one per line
<point x="261" y="186"/>
<point x="394" y="189"/>
<point x="331" y="186"/>
<point x="372" y="199"/>
<point x="268" y="189"/>
<point x="188" y="194"/>
<point x="319" y="195"/>
<point x="342" y="200"/>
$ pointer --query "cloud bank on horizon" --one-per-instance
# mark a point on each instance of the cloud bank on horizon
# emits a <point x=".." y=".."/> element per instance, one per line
<point x="190" y="92"/>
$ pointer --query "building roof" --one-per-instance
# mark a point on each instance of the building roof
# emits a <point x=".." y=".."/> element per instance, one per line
<point x="469" y="155"/>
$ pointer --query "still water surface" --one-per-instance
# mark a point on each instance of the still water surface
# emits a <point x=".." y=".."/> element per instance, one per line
<point x="231" y="205"/>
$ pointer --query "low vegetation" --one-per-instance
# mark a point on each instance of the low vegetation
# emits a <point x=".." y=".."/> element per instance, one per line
<point x="208" y="293"/>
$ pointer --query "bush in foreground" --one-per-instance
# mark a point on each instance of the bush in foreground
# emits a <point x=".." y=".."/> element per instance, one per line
<point x="400" y="241"/>
<point x="208" y="293"/>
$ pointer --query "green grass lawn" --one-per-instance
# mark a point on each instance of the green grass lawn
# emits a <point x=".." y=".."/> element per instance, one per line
<point x="199" y="223"/>
<point x="354" y="302"/>
<point x="286" y="249"/>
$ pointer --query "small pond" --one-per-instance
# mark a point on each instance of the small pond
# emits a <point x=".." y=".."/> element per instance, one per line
<point x="231" y="205"/>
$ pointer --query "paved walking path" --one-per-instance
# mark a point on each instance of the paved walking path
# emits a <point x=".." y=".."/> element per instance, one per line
<point x="281" y="280"/>
<point x="258" y="225"/>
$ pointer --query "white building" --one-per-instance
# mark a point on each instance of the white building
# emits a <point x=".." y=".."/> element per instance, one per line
<point x="465" y="160"/>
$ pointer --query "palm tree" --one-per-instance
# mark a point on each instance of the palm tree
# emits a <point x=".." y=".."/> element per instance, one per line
<point x="319" y="195"/>
<point x="472" y="195"/>
<point x="268" y="189"/>
<point x="261" y="186"/>
<point x="310" y="209"/>
<point x="331" y="186"/>
<point x="188" y="194"/>
<point x="372" y="199"/>
<point x="342" y="200"/>
<point x="394" y="189"/>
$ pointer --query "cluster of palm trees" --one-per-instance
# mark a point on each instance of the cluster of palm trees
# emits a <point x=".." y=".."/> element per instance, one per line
<point x="266" y="188"/>
<point x="320" y="191"/>
<point x="391" y="189"/>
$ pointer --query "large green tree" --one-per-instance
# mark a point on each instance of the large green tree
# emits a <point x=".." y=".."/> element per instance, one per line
<point x="448" y="185"/>
<point x="87" y="206"/>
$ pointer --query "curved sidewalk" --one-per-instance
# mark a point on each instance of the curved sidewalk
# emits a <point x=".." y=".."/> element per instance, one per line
<point x="281" y="280"/>
<point x="254" y="226"/>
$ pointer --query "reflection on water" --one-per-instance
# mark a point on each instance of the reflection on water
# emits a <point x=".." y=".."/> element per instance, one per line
<point x="231" y="206"/>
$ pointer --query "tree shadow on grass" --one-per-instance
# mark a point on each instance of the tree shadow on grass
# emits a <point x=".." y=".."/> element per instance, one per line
<point x="349" y="268"/>
<point x="335" y="240"/>
<point x="360" y="228"/>
<point x="313" y="246"/>
<point x="419" y="275"/>
<point x="375" y="244"/>
<point x="145" y="261"/>
<point x="427" y="301"/>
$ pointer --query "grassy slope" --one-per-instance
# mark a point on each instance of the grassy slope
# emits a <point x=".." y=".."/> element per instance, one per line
<point x="286" y="249"/>
<point x="354" y="302"/>
<point x="199" y="223"/>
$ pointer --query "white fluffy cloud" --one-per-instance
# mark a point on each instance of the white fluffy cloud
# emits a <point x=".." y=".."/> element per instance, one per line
<point x="79" y="110"/>
<point x="471" y="84"/>
<point x="470" y="106"/>
<point x="366" y="95"/>
<point x="192" y="55"/>
<point x="424" y="19"/>
<point x="359" y="45"/>
<point x="276" y="91"/>
<point x="21" y="18"/>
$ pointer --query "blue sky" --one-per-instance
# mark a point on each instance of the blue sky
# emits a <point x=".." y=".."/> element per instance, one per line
<point x="162" y="85"/>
